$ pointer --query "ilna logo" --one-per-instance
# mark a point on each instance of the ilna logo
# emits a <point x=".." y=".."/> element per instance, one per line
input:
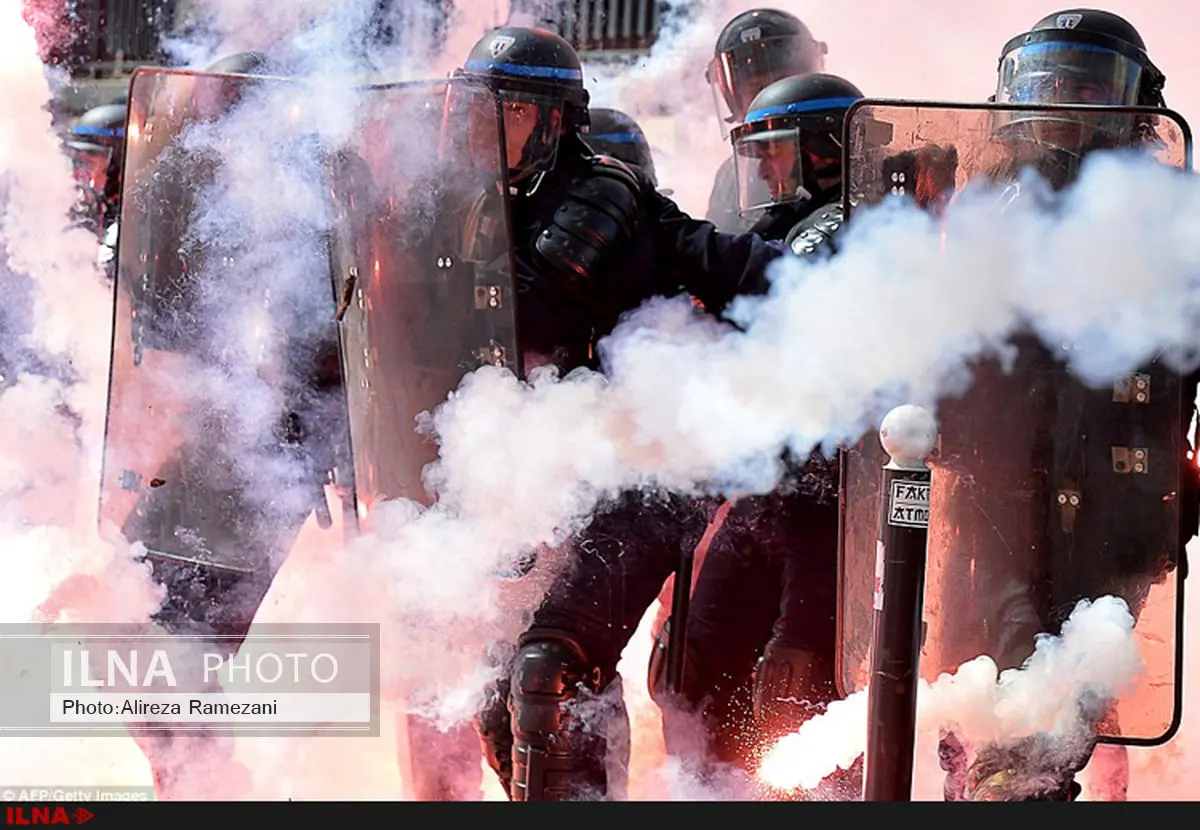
<point x="46" y="815"/>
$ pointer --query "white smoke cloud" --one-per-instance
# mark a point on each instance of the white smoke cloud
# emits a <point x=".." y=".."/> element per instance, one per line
<point x="723" y="400"/>
<point x="43" y="256"/>
<point x="686" y="400"/>
<point x="53" y="358"/>
<point x="915" y="49"/>
<point x="1095" y="657"/>
<point x="926" y="49"/>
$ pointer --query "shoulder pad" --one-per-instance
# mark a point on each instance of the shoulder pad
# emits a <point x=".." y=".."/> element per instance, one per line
<point x="609" y="166"/>
<point x="598" y="216"/>
<point x="816" y="232"/>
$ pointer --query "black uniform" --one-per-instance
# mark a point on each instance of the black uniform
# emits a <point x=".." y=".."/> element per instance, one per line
<point x="766" y="593"/>
<point x="755" y="49"/>
<point x="563" y="316"/>
<point x="594" y="240"/>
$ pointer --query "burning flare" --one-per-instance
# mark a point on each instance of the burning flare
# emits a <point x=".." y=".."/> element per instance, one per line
<point x="1095" y="657"/>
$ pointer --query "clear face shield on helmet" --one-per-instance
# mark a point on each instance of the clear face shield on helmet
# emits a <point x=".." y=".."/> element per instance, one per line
<point x="522" y="127"/>
<point x="1066" y="72"/>
<point x="782" y="162"/>
<point x="89" y="164"/>
<point x="736" y="76"/>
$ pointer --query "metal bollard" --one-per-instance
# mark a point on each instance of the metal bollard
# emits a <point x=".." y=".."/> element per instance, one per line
<point x="908" y="435"/>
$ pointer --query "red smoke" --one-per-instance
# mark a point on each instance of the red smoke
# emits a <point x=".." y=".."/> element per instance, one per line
<point x="54" y="26"/>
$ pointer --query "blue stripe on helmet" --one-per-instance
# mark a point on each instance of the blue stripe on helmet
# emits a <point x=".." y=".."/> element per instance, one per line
<point x="799" y="107"/>
<point x="1064" y="45"/>
<point x="104" y="132"/>
<point x="554" y="72"/>
<point x="616" y="138"/>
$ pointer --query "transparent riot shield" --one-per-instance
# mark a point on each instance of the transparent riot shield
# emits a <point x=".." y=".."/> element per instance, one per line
<point x="423" y="268"/>
<point x="226" y="414"/>
<point x="422" y="260"/>
<point x="1044" y="491"/>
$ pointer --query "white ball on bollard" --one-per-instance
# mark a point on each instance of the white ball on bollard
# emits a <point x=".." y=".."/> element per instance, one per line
<point x="909" y="434"/>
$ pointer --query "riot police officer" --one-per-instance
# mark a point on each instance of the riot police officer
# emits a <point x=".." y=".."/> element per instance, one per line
<point x="571" y="288"/>
<point x="788" y="159"/>
<point x="1076" y="56"/>
<point x="594" y="240"/>
<point x="97" y="147"/>
<point x="102" y="129"/>
<point x="769" y="575"/>
<point x="197" y="501"/>
<point x="754" y="49"/>
<point x="613" y="133"/>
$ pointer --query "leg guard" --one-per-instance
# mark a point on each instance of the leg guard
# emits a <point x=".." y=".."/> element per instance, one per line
<point x="495" y="733"/>
<point x="559" y="724"/>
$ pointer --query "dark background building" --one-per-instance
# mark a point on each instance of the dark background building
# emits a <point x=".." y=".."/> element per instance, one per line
<point x="100" y="42"/>
<point x="598" y="28"/>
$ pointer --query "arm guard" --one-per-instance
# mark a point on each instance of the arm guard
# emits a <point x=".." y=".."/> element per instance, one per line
<point x="815" y="234"/>
<point x="598" y="216"/>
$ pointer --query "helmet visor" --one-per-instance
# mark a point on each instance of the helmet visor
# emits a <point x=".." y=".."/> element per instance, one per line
<point x="1067" y="73"/>
<point x="770" y="168"/>
<point x="89" y="163"/>
<point x="737" y="75"/>
<point x="789" y="153"/>
<point x="521" y="129"/>
<point x="1062" y="72"/>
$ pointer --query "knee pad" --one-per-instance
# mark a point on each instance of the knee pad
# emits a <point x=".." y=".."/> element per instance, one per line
<point x="546" y="674"/>
<point x="559" y="747"/>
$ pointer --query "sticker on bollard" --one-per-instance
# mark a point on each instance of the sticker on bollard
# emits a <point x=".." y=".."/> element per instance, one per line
<point x="880" y="552"/>
<point x="910" y="504"/>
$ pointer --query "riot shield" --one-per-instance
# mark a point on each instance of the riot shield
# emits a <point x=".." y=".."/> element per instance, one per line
<point x="1044" y="491"/>
<point x="422" y="264"/>
<point x="222" y="429"/>
<point x="422" y="259"/>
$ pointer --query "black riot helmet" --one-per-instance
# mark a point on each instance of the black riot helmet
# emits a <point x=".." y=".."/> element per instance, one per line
<point x="789" y="147"/>
<point x="96" y="145"/>
<point x="755" y="49"/>
<point x="613" y="133"/>
<point x="241" y="63"/>
<point x="1078" y="56"/>
<point x="537" y="79"/>
<point x="214" y="97"/>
